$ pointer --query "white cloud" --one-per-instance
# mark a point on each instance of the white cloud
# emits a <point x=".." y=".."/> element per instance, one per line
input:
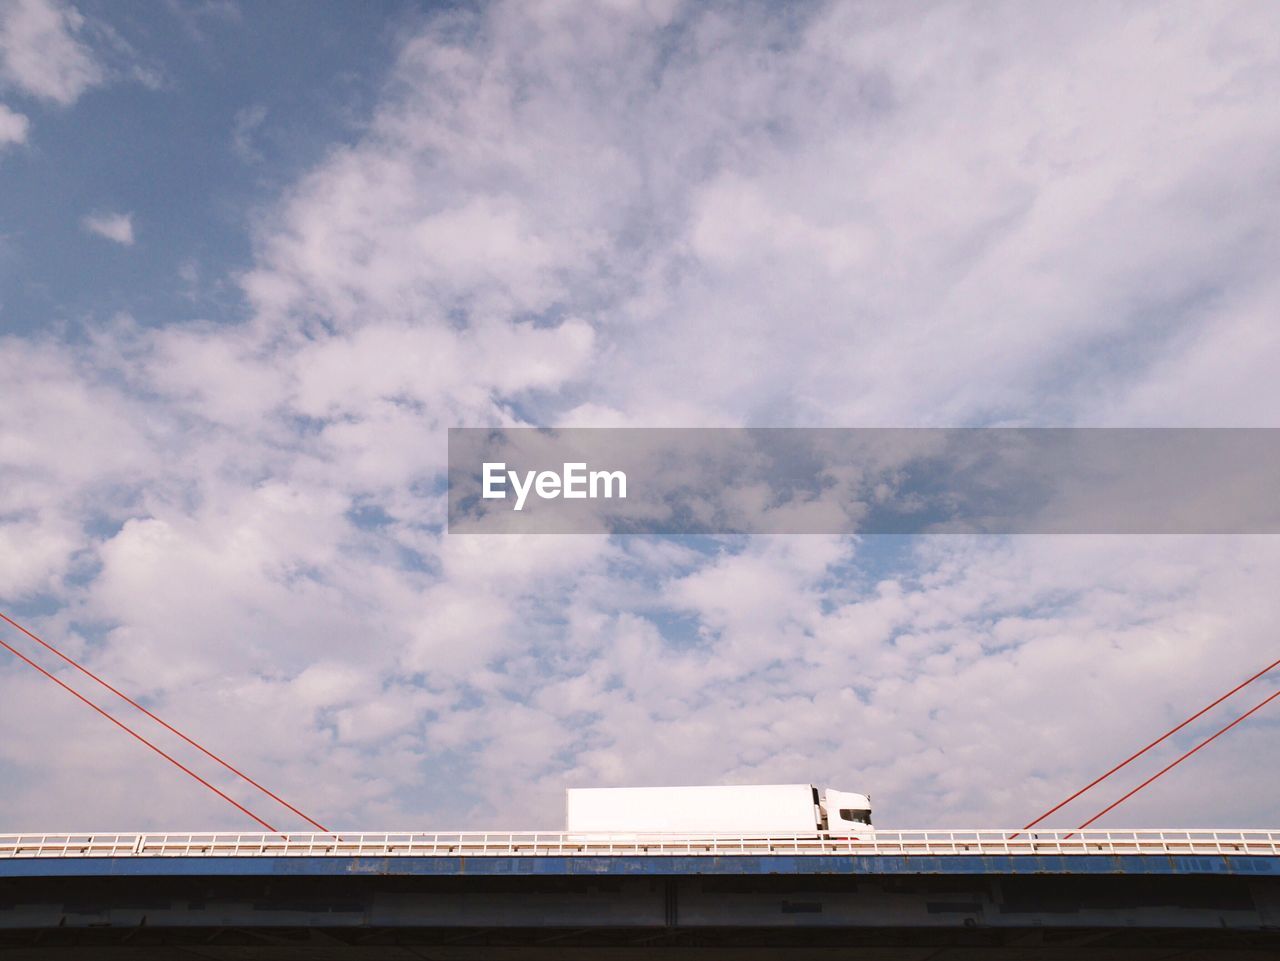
<point x="244" y="126"/>
<point x="955" y="190"/>
<point x="41" y="54"/>
<point x="682" y="216"/>
<point x="13" y="127"/>
<point x="116" y="227"/>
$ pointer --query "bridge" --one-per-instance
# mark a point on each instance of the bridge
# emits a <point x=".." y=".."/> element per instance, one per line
<point x="925" y="843"/>
<point x="906" y="895"/>
<point x="1026" y="893"/>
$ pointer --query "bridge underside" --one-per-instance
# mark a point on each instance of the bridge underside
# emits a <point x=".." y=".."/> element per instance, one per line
<point x="542" y="911"/>
<point x="625" y="944"/>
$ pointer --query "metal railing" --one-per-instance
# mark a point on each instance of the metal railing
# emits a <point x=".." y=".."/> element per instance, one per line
<point x="560" y="844"/>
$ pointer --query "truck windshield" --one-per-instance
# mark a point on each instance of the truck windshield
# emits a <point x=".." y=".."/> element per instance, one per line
<point x="855" y="814"/>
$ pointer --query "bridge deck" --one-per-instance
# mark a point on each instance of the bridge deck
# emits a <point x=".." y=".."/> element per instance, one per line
<point x="646" y="865"/>
<point x="904" y="896"/>
<point x="1254" y="853"/>
<point x="478" y="844"/>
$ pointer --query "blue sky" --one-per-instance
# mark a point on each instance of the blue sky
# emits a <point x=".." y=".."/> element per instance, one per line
<point x="256" y="259"/>
<point x="205" y="112"/>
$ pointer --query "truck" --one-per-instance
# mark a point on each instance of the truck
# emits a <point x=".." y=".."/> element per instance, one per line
<point x="756" y="811"/>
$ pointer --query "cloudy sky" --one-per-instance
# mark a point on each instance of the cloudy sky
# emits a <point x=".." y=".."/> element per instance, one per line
<point x="255" y="259"/>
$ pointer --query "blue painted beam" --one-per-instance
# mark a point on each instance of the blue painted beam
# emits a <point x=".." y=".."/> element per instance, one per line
<point x="683" y="866"/>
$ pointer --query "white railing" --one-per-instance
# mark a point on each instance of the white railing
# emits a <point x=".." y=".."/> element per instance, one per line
<point x="551" y="844"/>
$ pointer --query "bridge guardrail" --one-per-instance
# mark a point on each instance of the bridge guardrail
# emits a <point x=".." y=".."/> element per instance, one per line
<point x="560" y="844"/>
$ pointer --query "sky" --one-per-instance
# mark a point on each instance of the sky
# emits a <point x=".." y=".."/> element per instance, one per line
<point x="256" y="259"/>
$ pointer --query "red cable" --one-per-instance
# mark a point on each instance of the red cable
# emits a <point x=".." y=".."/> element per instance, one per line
<point x="1203" y="743"/>
<point x="169" y="727"/>
<point x="1159" y="740"/>
<point x="124" y="727"/>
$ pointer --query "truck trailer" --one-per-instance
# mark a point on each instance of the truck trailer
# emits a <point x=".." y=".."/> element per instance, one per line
<point x="757" y="810"/>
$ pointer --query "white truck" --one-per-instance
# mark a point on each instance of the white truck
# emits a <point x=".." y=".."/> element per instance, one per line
<point x="758" y="810"/>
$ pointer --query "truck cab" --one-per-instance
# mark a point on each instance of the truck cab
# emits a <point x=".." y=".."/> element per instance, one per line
<point x="844" y="814"/>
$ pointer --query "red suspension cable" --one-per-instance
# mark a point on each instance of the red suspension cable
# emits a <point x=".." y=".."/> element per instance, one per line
<point x="1207" y="741"/>
<point x="132" y="733"/>
<point x="1162" y="738"/>
<point x="168" y="727"/>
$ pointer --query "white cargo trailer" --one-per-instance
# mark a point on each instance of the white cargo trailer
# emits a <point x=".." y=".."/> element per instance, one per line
<point x="758" y="810"/>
